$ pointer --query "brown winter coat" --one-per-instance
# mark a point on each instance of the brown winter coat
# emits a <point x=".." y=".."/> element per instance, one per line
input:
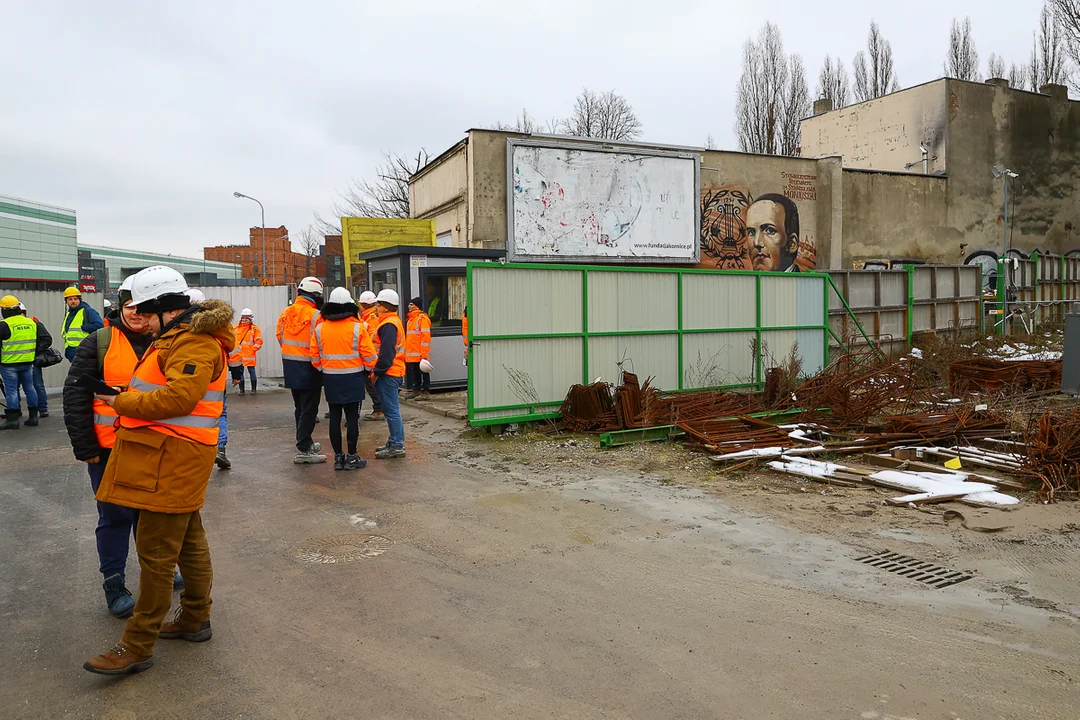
<point x="149" y="470"/>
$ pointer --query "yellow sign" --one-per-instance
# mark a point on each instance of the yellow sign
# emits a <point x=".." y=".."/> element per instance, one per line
<point x="265" y="282"/>
<point x="359" y="235"/>
<point x="953" y="464"/>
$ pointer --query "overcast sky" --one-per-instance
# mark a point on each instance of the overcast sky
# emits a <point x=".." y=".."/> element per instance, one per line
<point x="146" y="116"/>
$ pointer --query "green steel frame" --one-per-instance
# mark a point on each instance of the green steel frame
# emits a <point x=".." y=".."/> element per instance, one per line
<point x="530" y="413"/>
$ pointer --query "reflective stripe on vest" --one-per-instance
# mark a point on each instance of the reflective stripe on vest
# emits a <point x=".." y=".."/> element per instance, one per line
<point x="350" y="362"/>
<point x="119" y="366"/>
<point x="74" y="334"/>
<point x="294" y="330"/>
<point x="397" y="369"/>
<point x="417" y="337"/>
<point x="200" y="426"/>
<point x="19" y="348"/>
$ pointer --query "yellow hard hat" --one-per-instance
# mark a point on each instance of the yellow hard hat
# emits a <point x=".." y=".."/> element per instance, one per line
<point x="9" y="301"/>
<point x="72" y="292"/>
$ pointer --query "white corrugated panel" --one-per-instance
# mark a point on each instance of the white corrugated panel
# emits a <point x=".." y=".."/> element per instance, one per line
<point x="923" y="280"/>
<point x="893" y="288"/>
<point x="969" y="313"/>
<point x="622" y="301"/>
<point x="792" y="301"/>
<point x="718" y="301"/>
<point x="714" y="359"/>
<point x="515" y="301"/>
<point x="894" y="324"/>
<point x="946" y="282"/>
<point x="655" y="356"/>
<point x="922" y="319"/>
<point x="777" y="346"/>
<point x="970" y="280"/>
<point x="267" y="304"/>
<point x="48" y="307"/>
<point x="547" y="368"/>
<point x="861" y="289"/>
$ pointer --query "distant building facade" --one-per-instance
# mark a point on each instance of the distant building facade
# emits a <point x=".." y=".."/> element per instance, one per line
<point x="280" y="265"/>
<point x="38" y="245"/>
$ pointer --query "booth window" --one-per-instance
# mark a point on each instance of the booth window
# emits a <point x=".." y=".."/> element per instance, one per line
<point x="384" y="280"/>
<point x="444" y="296"/>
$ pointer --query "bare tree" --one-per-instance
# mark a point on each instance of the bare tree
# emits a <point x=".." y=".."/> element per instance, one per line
<point x="796" y="106"/>
<point x="526" y="123"/>
<point x="759" y="100"/>
<point x="1067" y="17"/>
<point x="995" y="66"/>
<point x="605" y="115"/>
<point x="310" y="242"/>
<point x="1048" y="58"/>
<point x="833" y="83"/>
<point x="710" y="143"/>
<point x="1019" y="76"/>
<point x="962" y="61"/>
<point x="387" y="196"/>
<point x="874" y="73"/>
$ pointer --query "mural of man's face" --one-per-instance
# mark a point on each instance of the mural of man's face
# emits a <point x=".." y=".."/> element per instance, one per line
<point x="766" y="228"/>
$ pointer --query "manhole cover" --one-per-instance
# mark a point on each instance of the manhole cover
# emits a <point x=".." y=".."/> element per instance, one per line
<point x="915" y="569"/>
<point x="340" y="549"/>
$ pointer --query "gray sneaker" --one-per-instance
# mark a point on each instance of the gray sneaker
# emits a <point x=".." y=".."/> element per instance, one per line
<point x="354" y="462"/>
<point x="308" y="458"/>
<point x="389" y="452"/>
<point x="316" y="447"/>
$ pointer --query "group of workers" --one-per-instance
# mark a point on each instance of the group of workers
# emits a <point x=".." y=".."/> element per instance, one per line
<point x="25" y="347"/>
<point x="145" y="409"/>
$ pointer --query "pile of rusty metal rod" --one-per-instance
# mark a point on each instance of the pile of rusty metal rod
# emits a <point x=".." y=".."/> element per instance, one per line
<point x="648" y="407"/>
<point x="734" y="435"/>
<point x="1052" y="453"/>
<point x="589" y="408"/>
<point x="857" y="387"/>
<point x="1004" y="377"/>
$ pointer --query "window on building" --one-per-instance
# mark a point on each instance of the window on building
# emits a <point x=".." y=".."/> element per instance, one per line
<point x="386" y="279"/>
<point x="254" y="269"/>
<point x="443" y="296"/>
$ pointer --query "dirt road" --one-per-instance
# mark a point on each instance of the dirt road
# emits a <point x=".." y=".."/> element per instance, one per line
<point x="499" y="589"/>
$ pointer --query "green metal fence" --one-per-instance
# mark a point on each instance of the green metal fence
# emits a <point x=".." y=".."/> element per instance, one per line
<point x="537" y="329"/>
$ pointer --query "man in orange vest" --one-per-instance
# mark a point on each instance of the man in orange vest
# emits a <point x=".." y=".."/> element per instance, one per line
<point x="417" y="351"/>
<point x="295" y="327"/>
<point x="369" y="315"/>
<point x="342" y="350"/>
<point x="390" y="371"/>
<point x="162" y="459"/>
<point x="249" y="342"/>
<point x="110" y="355"/>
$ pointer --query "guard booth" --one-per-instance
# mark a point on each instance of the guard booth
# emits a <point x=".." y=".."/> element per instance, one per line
<point x="437" y="276"/>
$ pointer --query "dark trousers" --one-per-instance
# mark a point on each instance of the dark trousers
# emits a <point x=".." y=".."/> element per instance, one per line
<point x="305" y="410"/>
<point x="352" y="425"/>
<point x="115" y="524"/>
<point x="415" y="378"/>
<point x="369" y="384"/>
<point x="39" y="388"/>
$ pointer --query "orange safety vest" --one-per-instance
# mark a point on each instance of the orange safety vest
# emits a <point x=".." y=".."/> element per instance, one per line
<point x="343" y="348"/>
<point x="397" y="369"/>
<point x="248" y="342"/>
<point x="120" y="362"/>
<point x="417" y="337"/>
<point x="370" y="318"/>
<point x="201" y="426"/>
<point x="465" y="330"/>
<point x="294" y="329"/>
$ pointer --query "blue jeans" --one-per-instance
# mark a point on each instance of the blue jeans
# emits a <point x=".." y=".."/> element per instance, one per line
<point x="223" y="423"/>
<point x="388" y="387"/>
<point x="16" y="375"/>
<point x="115" y="524"/>
<point x="254" y="377"/>
<point x="39" y="386"/>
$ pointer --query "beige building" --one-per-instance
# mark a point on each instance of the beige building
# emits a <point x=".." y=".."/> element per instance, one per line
<point x="862" y="190"/>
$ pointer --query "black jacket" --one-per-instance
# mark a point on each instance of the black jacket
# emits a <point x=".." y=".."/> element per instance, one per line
<point x="79" y="402"/>
<point x="387" y="348"/>
<point x="44" y="339"/>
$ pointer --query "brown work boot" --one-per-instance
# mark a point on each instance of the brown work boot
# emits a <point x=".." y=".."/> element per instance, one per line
<point x="118" y="661"/>
<point x="180" y="628"/>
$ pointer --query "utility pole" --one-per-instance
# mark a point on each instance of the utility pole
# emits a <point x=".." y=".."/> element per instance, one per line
<point x="1007" y="175"/>
<point x="262" y="216"/>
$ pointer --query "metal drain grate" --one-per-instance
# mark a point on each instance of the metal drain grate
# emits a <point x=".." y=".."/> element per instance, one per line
<point x="928" y="573"/>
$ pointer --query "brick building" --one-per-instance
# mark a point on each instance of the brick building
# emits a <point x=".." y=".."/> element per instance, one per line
<point x="283" y="265"/>
<point x="334" y="255"/>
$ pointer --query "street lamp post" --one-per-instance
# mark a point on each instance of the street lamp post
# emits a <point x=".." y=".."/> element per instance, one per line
<point x="1007" y="174"/>
<point x="262" y="215"/>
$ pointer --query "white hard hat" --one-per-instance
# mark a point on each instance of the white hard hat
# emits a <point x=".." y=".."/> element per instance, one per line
<point x="108" y="303"/>
<point x="246" y="312"/>
<point x="341" y="296"/>
<point x="156" y="282"/>
<point x="126" y="285"/>
<point x="426" y="366"/>
<point x="388" y="296"/>
<point x="367" y="298"/>
<point x="196" y="295"/>
<point x="311" y="285"/>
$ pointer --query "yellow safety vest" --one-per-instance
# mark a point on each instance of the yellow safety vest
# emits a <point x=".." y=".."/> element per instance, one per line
<point x="19" y="348"/>
<point x="74" y="335"/>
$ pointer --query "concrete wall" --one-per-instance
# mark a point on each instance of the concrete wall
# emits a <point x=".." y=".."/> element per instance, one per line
<point x="1037" y="136"/>
<point x="487" y="188"/>
<point x="440" y="193"/>
<point x="885" y="133"/>
<point x="891" y="216"/>
<point x="48" y="307"/>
